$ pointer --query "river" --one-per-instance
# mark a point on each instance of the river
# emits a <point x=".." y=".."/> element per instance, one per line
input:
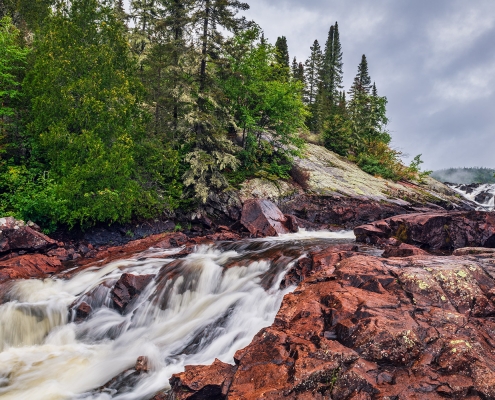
<point x="204" y="306"/>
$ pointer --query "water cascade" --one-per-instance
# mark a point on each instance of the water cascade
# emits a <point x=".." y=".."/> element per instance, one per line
<point x="193" y="310"/>
<point x="481" y="194"/>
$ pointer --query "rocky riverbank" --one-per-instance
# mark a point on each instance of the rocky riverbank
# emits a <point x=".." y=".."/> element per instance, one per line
<point x="365" y="327"/>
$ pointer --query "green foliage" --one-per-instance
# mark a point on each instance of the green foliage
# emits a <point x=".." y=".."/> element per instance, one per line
<point x="415" y="168"/>
<point x="269" y="110"/>
<point x="87" y="126"/>
<point x="282" y="53"/>
<point x="12" y="63"/>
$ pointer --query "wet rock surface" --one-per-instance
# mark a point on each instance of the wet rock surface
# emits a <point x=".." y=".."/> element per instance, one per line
<point x="29" y="266"/>
<point x="363" y="327"/>
<point x="127" y="288"/>
<point x="433" y="230"/>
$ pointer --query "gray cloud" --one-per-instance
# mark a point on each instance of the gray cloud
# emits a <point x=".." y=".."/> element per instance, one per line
<point x="435" y="61"/>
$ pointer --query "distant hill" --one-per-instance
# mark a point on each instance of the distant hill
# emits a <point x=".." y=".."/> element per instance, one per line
<point x="465" y="175"/>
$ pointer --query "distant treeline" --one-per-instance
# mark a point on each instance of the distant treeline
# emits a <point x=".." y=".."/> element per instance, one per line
<point x="465" y="175"/>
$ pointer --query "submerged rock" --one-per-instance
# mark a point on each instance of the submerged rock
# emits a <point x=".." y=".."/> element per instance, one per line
<point x="439" y="230"/>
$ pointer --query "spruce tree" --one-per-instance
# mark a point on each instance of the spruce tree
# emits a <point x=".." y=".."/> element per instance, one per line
<point x="295" y="68"/>
<point x="332" y="69"/>
<point x="282" y="55"/>
<point x="312" y="72"/>
<point x="362" y="80"/>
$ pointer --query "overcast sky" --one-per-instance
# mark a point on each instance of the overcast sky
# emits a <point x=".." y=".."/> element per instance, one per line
<point x="433" y="59"/>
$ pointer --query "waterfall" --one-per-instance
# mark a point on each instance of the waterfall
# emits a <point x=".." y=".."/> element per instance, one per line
<point x="193" y="310"/>
<point x="481" y="194"/>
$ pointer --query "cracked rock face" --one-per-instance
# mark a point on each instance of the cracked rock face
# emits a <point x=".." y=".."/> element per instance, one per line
<point x="362" y="327"/>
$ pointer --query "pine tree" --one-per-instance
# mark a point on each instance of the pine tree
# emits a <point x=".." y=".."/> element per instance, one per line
<point x="282" y="47"/>
<point x="295" y="68"/>
<point x="312" y="71"/>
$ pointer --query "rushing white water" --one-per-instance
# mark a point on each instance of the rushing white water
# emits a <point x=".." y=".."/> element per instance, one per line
<point x="205" y="306"/>
<point x="483" y="195"/>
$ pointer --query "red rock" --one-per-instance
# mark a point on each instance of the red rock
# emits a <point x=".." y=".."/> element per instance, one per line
<point x="29" y="266"/>
<point x="363" y="327"/>
<point x="403" y="250"/>
<point x="127" y="288"/>
<point x="263" y="218"/>
<point x="15" y="235"/>
<point x="292" y="223"/>
<point x="203" y="382"/>
<point x="224" y="236"/>
<point x="60" y="253"/>
<point x="440" y="230"/>
<point x="83" y="311"/>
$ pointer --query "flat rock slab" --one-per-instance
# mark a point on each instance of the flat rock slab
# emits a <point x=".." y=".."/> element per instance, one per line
<point x="29" y="266"/>
<point x="465" y="251"/>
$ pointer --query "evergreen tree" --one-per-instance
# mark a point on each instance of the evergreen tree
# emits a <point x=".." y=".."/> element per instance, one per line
<point x="282" y="51"/>
<point x="332" y="69"/>
<point x="212" y="151"/>
<point x="297" y="70"/>
<point x="362" y="80"/>
<point x="87" y="125"/>
<point x="170" y="65"/>
<point x="312" y="70"/>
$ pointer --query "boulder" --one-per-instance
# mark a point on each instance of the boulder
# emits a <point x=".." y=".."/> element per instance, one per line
<point x="15" y="235"/>
<point x="438" y="230"/>
<point x="127" y="288"/>
<point x="263" y="218"/>
<point x="29" y="266"/>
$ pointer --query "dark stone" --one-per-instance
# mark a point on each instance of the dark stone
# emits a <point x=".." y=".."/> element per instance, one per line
<point x="127" y="288"/>
<point x="446" y="230"/>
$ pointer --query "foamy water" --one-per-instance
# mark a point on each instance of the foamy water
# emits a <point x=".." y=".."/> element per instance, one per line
<point x="195" y="310"/>
<point x="482" y="206"/>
